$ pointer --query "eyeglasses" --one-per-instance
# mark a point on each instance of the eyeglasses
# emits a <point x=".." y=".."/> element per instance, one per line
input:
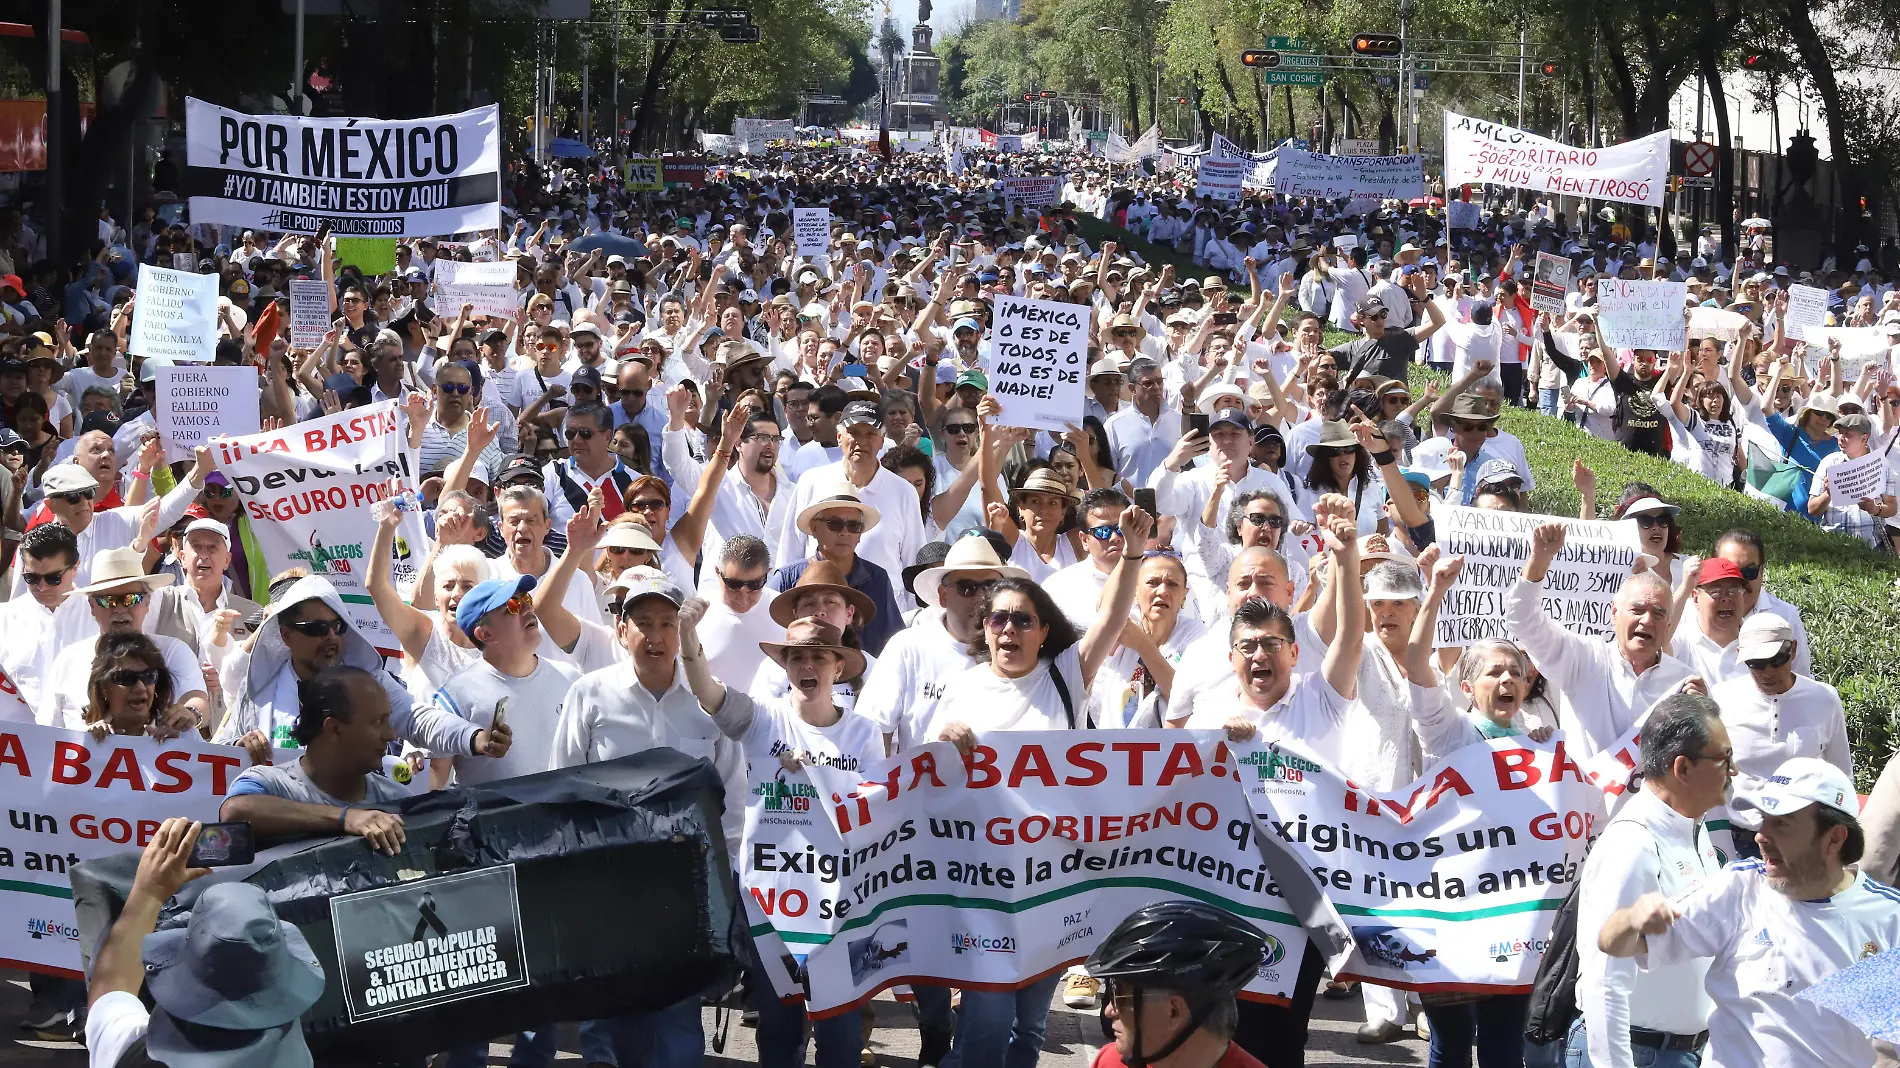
<point x="75" y="497"/>
<point x="1104" y="533"/>
<point x="1002" y="621"/>
<point x="736" y="585"/>
<point x="841" y="526"/>
<point x="1651" y="522"/>
<point x="1471" y="428"/>
<point x="118" y="600"/>
<point x="1397" y="398"/>
<point x="1250" y="646"/>
<point x="128" y="678"/>
<point x="457" y="388"/>
<point x="970" y="428"/>
<point x="1778" y="660"/>
<point x="1727" y="760"/>
<point x="580" y="433"/>
<point x="318" y="628"/>
<point x="649" y="504"/>
<point x="1265" y="519"/>
<point x="53" y="579"/>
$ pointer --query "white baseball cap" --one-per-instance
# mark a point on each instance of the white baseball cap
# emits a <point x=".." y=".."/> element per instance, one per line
<point x="1798" y="783"/>
<point x="1762" y="636"/>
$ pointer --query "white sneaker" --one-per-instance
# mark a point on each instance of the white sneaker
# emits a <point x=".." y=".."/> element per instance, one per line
<point x="1080" y="991"/>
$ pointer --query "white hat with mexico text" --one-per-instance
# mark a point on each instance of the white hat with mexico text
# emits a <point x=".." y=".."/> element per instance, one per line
<point x="1798" y="783"/>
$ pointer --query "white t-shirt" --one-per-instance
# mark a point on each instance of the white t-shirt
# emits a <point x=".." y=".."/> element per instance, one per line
<point x="534" y="711"/>
<point x="114" y="1024"/>
<point x="853" y="743"/>
<point x="901" y="692"/>
<point x="984" y="701"/>
<point x="1767" y="948"/>
<point x="732" y="641"/>
<point x="1310" y="713"/>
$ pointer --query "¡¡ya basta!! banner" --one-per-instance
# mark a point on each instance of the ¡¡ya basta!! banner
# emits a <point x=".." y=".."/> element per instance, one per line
<point x="992" y="872"/>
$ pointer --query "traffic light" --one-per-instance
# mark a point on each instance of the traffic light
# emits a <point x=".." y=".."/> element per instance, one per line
<point x="1255" y="57"/>
<point x="1029" y="96"/>
<point x="1551" y="69"/>
<point x="1048" y="94"/>
<point x="1376" y="44"/>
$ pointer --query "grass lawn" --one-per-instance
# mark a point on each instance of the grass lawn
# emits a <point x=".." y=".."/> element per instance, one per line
<point x="1848" y="595"/>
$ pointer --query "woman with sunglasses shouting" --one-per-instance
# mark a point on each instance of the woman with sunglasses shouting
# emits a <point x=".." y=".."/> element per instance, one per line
<point x="1032" y="672"/>
<point x="129" y="689"/>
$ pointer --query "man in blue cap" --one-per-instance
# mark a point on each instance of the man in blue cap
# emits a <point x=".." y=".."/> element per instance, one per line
<point x="512" y="683"/>
<point x="228" y="987"/>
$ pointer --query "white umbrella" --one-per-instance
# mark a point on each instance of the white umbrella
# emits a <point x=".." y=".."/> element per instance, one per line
<point x="1757" y="223"/>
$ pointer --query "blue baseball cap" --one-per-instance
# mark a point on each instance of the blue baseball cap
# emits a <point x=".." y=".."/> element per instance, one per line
<point x="966" y="324"/>
<point x="488" y="596"/>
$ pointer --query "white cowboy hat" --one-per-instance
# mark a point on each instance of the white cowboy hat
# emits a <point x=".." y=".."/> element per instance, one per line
<point x="969" y="553"/>
<point x="841" y="496"/>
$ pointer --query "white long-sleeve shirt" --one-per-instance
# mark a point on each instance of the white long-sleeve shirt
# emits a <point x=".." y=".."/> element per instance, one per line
<point x="1602" y="696"/>
<point x="1648" y="848"/>
<point x="1768" y="729"/>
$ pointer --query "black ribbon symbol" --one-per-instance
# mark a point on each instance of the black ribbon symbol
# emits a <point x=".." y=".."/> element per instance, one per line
<point x="427" y="920"/>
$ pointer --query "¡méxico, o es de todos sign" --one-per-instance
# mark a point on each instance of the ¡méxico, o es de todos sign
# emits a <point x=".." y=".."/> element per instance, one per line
<point x="365" y="177"/>
<point x="1480" y="152"/>
<point x="1039" y="349"/>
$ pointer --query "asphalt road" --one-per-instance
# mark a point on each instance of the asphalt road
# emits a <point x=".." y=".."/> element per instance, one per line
<point x="1073" y="1038"/>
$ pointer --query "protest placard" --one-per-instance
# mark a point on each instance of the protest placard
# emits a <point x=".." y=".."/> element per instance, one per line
<point x="1718" y="323"/>
<point x="418" y="177"/>
<point x="175" y="316"/>
<point x="1449" y="883"/>
<point x="1807" y="306"/>
<point x="488" y="287"/>
<point x="1640" y="314"/>
<point x="989" y="872"/>
<point x="1851" y="481"/>
<point x="1219" y="178"/>
<point x="812" y="227"/>
<point x="1550" y="283"/>
<point x="1312" y="174"/>
<point x="1346" y="242"/>
<point x="1860" y="345"/>
<point x="644" y="175"/>
<point x="1482" y="152"/>
<point x="185" y="261"/>
<point x="1578" y="589"/>
<point x="307" y="489"/>
<point x="1032" y="190"/>
<point x="1463" y="215"/>
<point x="197" y="403"/>
<point x="309" y="312"/>
<point x="1039" y="352"/>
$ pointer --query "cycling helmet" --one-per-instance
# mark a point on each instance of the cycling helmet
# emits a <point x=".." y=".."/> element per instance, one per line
<point x="1185" y="946"/>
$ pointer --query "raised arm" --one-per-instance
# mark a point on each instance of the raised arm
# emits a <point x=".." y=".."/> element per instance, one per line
<point x="1349" y="636"/>
<point x="1112" y="614"/>
<point x="689" y="531"/>
<point x="1442" y="407"/>
<point x="1419" y="647"/>
<point x="583" y="535"/>
<point x="412" y="627"/>
<point x="1397" y="490"/>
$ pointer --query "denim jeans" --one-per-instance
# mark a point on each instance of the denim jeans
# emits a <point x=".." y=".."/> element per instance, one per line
<point x="673" y="1037"/>
<point x="536" y="1049"/>
<point x="1494" y="1026"/>
<point x="1549" y="400"/>
<point x="1002" y="1028"/>
<point x="1577" y="1053"/>
<point x="933" y="1008"/>
<point x="781" y="1030"/>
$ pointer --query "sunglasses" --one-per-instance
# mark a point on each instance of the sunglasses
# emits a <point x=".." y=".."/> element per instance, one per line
<point x="1471" y="428"/>
<point x="1651" y="522"/>
<point x="736" y="585"/>
<point x="1778" y="660"/>
<point x="580" y="433"/>
<point x="514" y="606"/>
<point x="633" y="393"/>
<point x="1104" y="533"/>
<point x="118" y="600"/>
<point x="457" y="388"/>
<point x="1250" y="646"/>
<point x="972" y="587"/>
<point x="1265" y="519"/>
<point x="1002" y="621"/>
<point x="53" y="579"/>
<point x="129" y="678"/>
<point x="650" y="504"/>
<point x="841" y="526"/>
<point x="319" y="628"/>
<point x="1331" y="451"/>
<point x="970" y="428"/>
<point x="75" y="497"/>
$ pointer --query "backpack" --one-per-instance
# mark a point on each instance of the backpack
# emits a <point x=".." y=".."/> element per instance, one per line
<point x="1553" y="1005"/>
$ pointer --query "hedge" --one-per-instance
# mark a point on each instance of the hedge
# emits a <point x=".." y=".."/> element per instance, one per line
<point x="1849" y="596"/>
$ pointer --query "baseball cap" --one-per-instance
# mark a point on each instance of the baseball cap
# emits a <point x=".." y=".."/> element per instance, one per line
<point x="862" y="413"/>
<point x="585" y="376"/>
<point x="638" y="583"/>
<point x="1796" y="784"/>
<point x="967" y="324"/>
<point x="1495" y="471"/>
<point x="1369" y="304"/>
<point x="208" y="526"/>
<point x="518" y="467"/>
<point x="68" y="478"/>
<point x="1715" y="569"/>
<point x="488" y="596"/>
<point x="1762" y="637"/>
<point x="1234" y="416"/>
<point x="973" y="378"/>
<point x="584" y="328"/>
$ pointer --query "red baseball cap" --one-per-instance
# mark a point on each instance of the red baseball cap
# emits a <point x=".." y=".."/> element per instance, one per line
<point x="1715" y="569"/>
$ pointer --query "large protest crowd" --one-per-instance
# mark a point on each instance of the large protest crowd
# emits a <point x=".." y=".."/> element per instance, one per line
<point x="769" y="492"/>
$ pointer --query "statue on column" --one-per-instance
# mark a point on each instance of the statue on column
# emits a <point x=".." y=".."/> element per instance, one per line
<point x="923" y="10"/>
